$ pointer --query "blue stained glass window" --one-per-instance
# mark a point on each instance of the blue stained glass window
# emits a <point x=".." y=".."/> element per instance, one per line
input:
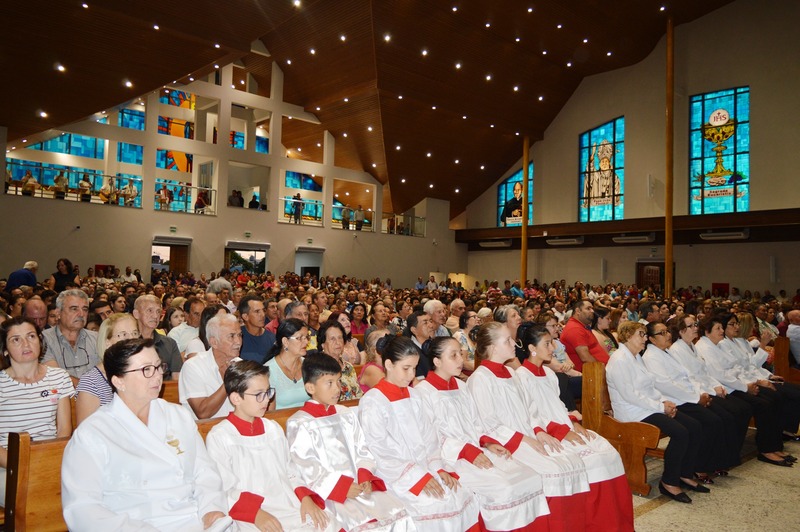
<point x="262" y="145"/>
<point x="73" y="144"/>
<point x="719" y="152"/>
<point x="601" y="181"/>
<point x="131" y="119"/>
<point x="129" y="153"/>
<point x="301" y="181"/>
<point x="237" y="140"/>
<point x="509" y="199"/>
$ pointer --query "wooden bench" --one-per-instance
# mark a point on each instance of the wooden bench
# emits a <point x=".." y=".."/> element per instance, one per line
<point x="169" y="392"/>
<point x="33" y="481"/>
<point x="632" y="440"/>
<point x="782" y="361"/>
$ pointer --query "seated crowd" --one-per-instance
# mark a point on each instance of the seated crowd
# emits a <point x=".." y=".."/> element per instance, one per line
<point x="467" y="418"/>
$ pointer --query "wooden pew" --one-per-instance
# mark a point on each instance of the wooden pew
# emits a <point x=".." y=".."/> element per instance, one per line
<point x="33" y="498"/>
<point x="782" y="361"/>
<point x="169" y="392"/>
<point x="632" y="440"/>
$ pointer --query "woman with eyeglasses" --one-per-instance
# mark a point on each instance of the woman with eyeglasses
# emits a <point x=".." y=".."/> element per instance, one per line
<point x="353" y="351"/>
<point x="139" y="463"/>
<point x="466" y="323"/>
<point x="331" y="342"/>
<point x="672" y="380"/>
<point x="634" y="397"/>
<point x="286" y="362"/>
<point x="93" y="389"/>
<point x="34" y="398"/>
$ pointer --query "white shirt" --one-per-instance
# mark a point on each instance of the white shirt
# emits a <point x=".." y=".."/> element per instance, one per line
<point x="182" y="334"/>
<point x="688" y="358"/>
<point x="793" y="333"/>
<point x="722" y="366"/>
<point x="200" y="378"/>
<point x="671" y="378"/>
<point x="631" y="387"/>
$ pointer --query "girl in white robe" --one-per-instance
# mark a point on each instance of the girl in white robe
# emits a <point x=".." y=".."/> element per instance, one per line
<point x="263" y="489"/>
<point x="510" y="494"/>
<point x="328" y="449"/>
<point x="139" y="463"/>
<point x="609" y="502"/>
<point x="406" y="448"/>
<point x="504" y="414"/>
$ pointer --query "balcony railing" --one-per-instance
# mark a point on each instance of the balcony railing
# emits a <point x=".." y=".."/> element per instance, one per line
<point x="172" y="197"/>
<point x="403" y="224"/>
<point x="301" y="211"/>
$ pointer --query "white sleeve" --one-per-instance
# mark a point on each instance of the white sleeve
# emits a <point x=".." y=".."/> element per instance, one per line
<point x="307" y="460"/>
<point x="655" y="364"/>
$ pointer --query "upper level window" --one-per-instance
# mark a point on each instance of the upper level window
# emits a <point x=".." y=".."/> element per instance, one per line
<point x="601" y="183"/>
<point x="509" y="200"/>
<point x="719" y="152"/>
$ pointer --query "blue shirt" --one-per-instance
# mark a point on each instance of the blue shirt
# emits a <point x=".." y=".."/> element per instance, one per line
<point x="256" y="347"/>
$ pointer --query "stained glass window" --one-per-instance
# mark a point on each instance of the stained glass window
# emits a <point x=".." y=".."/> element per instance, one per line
<point x="719" y="152"/>
<point x="601" y="167"/>
<point x="509" y="200"/>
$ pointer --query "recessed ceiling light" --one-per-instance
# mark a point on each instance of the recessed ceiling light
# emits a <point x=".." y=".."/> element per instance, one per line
<point x="347" y="100"/>
<point x="463" y="117"/>
<point x="517" y="39"/>
<point x="299" y="149"/>
<point x="455" y="8"/>
<point x="296" y="3"/>
<point x="458" y="65"/>
<point x="530" y="10"/>
<point x="317" y="108"/>
<point x="319" y="144"/>
<point x="433" y="107"/>
<point x="312" y="51"/>
<point x="374" y="165"/>
<point x="397" y="147"/>
<point x="344" y="134"/>
<point x="346" y="193"/>
<point x="430" y="186"/>
<point x="516" y="88"/>
<point x="544" y="52"/>
<point x="387" y="37"/>
<point x="216" y="45"/>
<point x="216" y="66"/>
<point x="569" y="64"/>
<point x="403" y="180"/>
<point x="342" y="38"/>
<point x="288" y="61"/>
<point x="42" y="114"/>
<point x="457" y="191"/>
<point x="488" y="24"/>
<point x="662" y="8"/>
<point x="128" y="83"/>
<point x="482" y="167"/>
<point x="155" y="27"/>
<point x="233" y="86"/>
<point x="191" y="78"/>
<point x="24" y="141"/>
<point x="428" y="154"/>
<point x="585" y="41"/>
<point x="336" y="195"/>
<point x="399" y="96"/>
<point x="456" y="161"/>
<point x="488" y="77"/>
<point x="85" y="6"/>
<point x="424" y="52"/>
<point x="60" y="67"/>
<point x="367" y="191"/>
<point x="559" y="26"/>
<point x="491" y="125"/>
<point x="541" y="98"/>
<point x="369" y="128"/>
<point x="516" y="133"/>
<point x="241" y="82"/>
<point x="608" y="54"/>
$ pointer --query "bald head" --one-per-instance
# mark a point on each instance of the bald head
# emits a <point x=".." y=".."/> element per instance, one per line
<point x="793" y="317"/>
<point x="36" y="310"/>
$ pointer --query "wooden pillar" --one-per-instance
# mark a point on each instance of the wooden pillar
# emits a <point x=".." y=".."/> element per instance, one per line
<point x="670" y="134"/>
<point x="523" y="276"/>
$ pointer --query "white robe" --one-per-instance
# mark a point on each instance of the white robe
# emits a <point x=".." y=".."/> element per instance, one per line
<point x="503" y="413"/>
<point x="510" y="494"/>
<point x="120" y="474"/>
<point x="323" y="450"/>
<point x="601" y="460"/>
<point x="259" y="465"/>
<point x="740" y="349"/>
<point x="631" y="387"/>
<point x="671" y="378"/>
<point x="695" y="366"/>
<point x="406" y="449"/>
<point x="723" y="366"/>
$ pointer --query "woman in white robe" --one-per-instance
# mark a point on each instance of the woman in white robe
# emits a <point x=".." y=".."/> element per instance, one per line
<point x="406" y="448"/>
<point x="139" y="463"/>
<point x="609" y="500"/>
<point x="505" y="419"/>
<point x="510" y="494"/>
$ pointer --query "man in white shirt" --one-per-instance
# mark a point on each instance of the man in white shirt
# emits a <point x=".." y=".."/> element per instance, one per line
<point x="225" y="299"/>
<point x="431" y="286"/>
<point x="129" y="277"/>
<point x="793" y="333"/>
<point x="438" y="314"/>
<point x="190" y="329"/>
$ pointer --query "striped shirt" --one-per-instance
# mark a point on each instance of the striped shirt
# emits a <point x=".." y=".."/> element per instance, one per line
<point x="32" y="407"/>
<point x="94" y="383"/>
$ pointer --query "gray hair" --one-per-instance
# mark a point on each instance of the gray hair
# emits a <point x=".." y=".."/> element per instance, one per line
<point x="501" y="313"/>
<point x="455" y="302"/>
<point x="144" y="299"/>
<point x="288" y="310"/>
<point x="73" y="292"/>
<point x="215" y="324"/>
<point x="431" y="306"/>
<point x="31" y="265"/>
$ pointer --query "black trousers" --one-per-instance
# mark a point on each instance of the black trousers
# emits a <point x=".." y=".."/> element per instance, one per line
<point x="680" y="455"/>
<point x="768" y="437"/>
<point x="735" y="415"/>
<point x="565" y="391"/>
<point x="790" y="409"/>
<point x="713" y="452"/>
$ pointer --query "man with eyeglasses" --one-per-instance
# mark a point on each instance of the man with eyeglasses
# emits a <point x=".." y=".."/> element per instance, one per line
<point x="201" y="387"/>
<point x="68" y="345"/>
<point x="147" y="312"/>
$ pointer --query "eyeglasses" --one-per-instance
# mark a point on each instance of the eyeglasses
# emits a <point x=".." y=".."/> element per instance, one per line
<point x="124" y="335"/>
<point x="693" y="325"/>
<point x="305" y="337"/>
<point x="641" y="333"/>
<point x="662" y="333"/>
<point x="150" y="370"/>
<point x="269" y="394"/>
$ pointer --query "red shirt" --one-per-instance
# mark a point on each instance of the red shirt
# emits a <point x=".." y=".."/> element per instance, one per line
<point x="576" y="334"/>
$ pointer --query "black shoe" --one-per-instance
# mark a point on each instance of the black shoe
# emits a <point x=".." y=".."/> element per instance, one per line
<point x="789" y="458"/>
<point x="782" y="463"/>
<point x="680" y="497"/>
<point x="704" y="479"/>
<point x="699" y="488"/>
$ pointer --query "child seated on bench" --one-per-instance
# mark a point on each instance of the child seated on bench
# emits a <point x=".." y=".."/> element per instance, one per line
<point x="327" y="446"/>
<point x="252" y="457"/>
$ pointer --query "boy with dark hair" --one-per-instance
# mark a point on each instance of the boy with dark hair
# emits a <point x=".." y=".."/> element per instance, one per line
<point x="252" y="456"/>
<point x="327" y="446"/>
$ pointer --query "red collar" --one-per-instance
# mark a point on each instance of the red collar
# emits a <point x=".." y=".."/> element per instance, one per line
<point x="497" y="368"/>
<point x="256" y="428"/>
<point x="533" y="368"/>
<point x="392" y="391"/>
<point x="439" y="383"/>
<point x="318" y="409"/>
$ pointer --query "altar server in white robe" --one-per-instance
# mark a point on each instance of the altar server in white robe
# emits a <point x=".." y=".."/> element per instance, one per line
<point x="328" y="449"/>
<point x="406" y="448"/>
<point x="609" y="500"/>
<point x="263" y="489"/>
<point x="505" y="419"/>
<point x="139" y="463"/>
<point x="510" y="494"/>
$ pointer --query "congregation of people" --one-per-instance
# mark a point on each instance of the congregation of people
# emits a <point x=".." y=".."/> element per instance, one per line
<point x="467" y="415"/>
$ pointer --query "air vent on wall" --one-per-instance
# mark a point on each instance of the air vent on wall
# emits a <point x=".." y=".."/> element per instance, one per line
<point x="565" y="241"/>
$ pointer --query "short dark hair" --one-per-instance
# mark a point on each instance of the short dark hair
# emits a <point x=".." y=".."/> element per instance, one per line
<point x="244" y="303"/>
<point x="239" y="373"/>
<point x="286" y="329"/>
<point x="116" y="357"/>
<point x="648" y="307"/>
<point x="413" y="319"/>
<point x="317" y="364"/>
<point x="6" y="326"/>
<point x="99" y="303"/>
<point x="325" y="327"/>
<point x="396" y="348"/>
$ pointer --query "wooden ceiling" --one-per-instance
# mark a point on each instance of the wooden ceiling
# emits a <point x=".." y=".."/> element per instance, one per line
<point x="368" y="70"/>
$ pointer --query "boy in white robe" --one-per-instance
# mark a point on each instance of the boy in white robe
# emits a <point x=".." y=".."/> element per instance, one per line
<point x="252" y="456"/>
<point x="327" y="447"/>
